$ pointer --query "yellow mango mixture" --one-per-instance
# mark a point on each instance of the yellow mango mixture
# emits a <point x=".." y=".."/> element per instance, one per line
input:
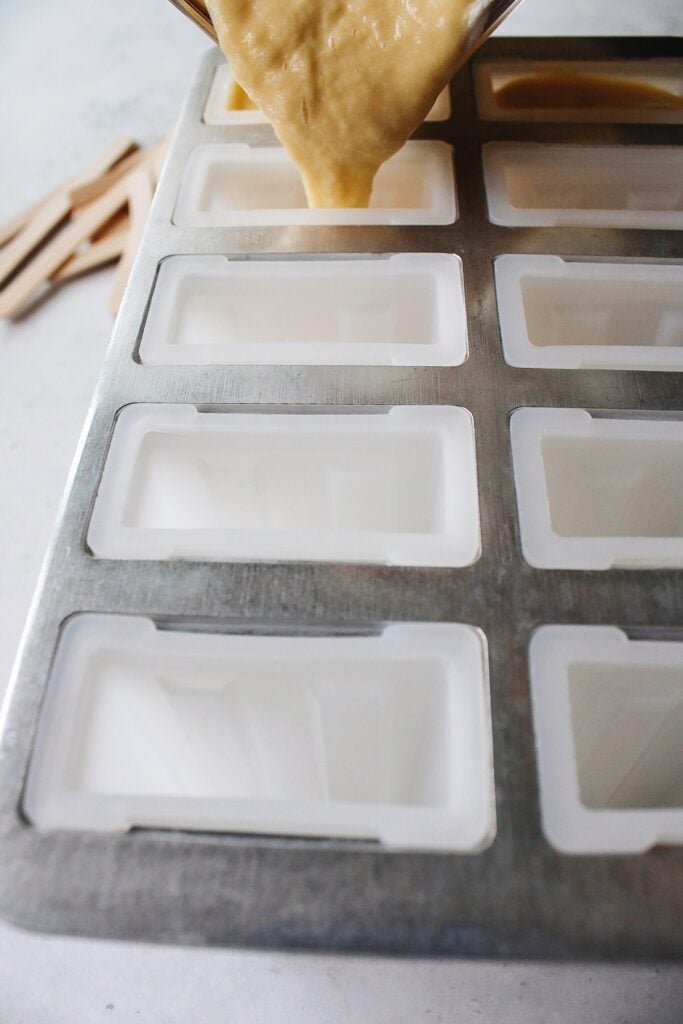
<point x="343" y="82"/>
<point x="565" y="90"/>
<point x="238" y="99"/>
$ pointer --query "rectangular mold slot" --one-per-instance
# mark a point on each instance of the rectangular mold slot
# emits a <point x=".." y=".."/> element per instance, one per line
<point x="223" y="106"/>
<point x="621" y="92"/>
<point x="396" y="488"/>
<point x="530" y="184"/>
<point x="570" y="315"/>
<point x="404" y="310"/>
<point x="608" y="716"/>
<point x="232" y="184"/>
<point x="598" y="493"/>
<point x="384" y="737"/>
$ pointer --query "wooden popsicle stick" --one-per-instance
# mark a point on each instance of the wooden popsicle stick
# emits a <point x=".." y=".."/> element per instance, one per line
<point x="96" y="255"/>
<point x="158" y="158"/>
<point x="119" y="222"/>
<point x="152" y="157"/>
<point x="56" y="252"/>
<point x="109" y="156"/>
<point x="13" y="226"/>
<point x="48" y="217"/>
<point x="140" y="192"/>
<point x="90" y="190"/>
<point x="100" y="165"/>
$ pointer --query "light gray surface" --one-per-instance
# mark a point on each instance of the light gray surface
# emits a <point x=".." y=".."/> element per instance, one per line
<point x="63" y="96"/>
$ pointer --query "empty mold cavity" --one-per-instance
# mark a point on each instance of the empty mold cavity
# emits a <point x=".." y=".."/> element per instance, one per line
<point x="393" y="487"/>
<point x="403" y="310"/>
<point x="236" y="184"/>
<point x="623" y="316"/>
<point x="222" y="108"/>
<point x="541" y="185"/>
<point x="384" y="737"/>
<point x="608" y="717"/>
<point x="637" y="92"/>
<point x="598" y="493"/>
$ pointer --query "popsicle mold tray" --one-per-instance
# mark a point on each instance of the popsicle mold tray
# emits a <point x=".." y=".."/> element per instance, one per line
<point x="362" y="625"/>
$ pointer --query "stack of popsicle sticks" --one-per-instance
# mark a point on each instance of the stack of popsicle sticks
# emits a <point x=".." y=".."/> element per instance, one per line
<point x="95" y="217"/>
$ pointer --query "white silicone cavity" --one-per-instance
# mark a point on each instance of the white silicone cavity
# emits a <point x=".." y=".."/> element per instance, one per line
<point x="396" y="487"/>
<point x="541" y="185"/>
<point x="597" y="493"/>
<point x="238" y="185"/>
<point x="492" y="76"/>
<point x="218" y="112"/>
<point x="403" y="310"/>
<point x="608" y="717"/>
<point x="384" y="737"/>
<point x="570" y="315"/>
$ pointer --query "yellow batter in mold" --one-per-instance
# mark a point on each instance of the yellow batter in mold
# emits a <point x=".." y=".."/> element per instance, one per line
<point x="343" y="82"/>
<point x="238" y="99"/>
<point x="568" y="90"/>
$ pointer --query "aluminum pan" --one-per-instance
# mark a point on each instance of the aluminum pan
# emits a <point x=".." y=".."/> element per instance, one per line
<point x="518" y="898"/>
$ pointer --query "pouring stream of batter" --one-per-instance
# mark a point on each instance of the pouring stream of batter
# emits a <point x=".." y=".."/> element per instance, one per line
<point x="343" y="82"/>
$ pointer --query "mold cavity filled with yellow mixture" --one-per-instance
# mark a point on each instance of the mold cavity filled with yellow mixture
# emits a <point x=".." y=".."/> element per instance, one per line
<point x="238" y="99"/>
<point x="343" y="82"/>
<point x="566" y="90"/>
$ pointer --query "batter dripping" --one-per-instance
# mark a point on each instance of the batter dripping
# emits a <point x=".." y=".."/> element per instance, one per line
<point x="343" y="82"/>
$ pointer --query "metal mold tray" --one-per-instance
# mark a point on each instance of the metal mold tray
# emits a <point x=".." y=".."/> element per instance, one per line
<point x="520" y="897"/>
